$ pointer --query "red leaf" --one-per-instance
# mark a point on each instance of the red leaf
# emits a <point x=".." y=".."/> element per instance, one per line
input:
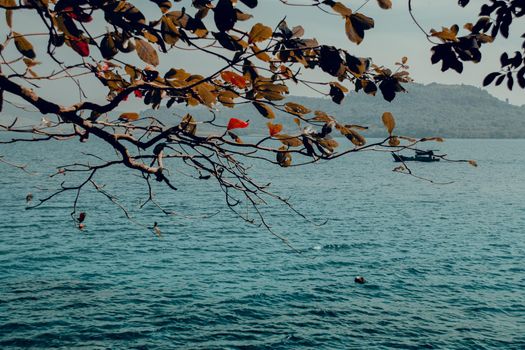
<point x="80" y="46"/>
<point x="78" y="16"/>
<point x="235" y="123"/>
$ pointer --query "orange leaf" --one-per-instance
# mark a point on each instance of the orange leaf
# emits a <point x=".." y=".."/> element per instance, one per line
<point x="129" y="116"/>
<point x="234" y="79"/>
<point x="274" y="129"/>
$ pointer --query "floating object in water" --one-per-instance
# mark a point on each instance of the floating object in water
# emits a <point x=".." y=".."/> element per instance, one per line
<point x="81" y="217"/>
<point x="29" y="197"/>
<point x="360" y="280"/>
<point x="420" y="156"/>
<point x="156" y="229"/>
<point x="81" y="226"/>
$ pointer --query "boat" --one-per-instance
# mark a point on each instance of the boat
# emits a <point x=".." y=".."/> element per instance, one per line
<point x="420" y="156"/>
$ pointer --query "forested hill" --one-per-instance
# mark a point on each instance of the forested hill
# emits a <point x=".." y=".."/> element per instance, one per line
<point x="451" y="111"/>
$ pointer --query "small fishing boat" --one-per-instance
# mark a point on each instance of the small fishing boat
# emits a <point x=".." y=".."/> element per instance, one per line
<point x="420" y="156"/>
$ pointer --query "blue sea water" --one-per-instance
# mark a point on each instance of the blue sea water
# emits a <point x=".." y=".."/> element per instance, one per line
<point x="444" y="264"/>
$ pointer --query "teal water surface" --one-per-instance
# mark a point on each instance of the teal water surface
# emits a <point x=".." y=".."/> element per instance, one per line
<point x="444" y="263"/>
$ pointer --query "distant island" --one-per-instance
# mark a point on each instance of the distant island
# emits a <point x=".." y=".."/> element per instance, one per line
<point x="450" y="111"/>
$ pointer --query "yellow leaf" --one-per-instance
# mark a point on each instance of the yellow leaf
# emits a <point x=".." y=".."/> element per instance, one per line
<point x="24" y="46"/>
<point x="263" y="56"/>
<point x="389" y="121"/>
<point x="446" y="34"/>
<point x="260" y="32"/>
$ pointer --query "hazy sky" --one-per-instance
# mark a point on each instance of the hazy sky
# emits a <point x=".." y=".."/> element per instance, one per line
<point x="395" y="35"/>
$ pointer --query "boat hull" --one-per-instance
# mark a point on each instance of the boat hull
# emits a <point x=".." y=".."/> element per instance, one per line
<point x="400" y="158"/>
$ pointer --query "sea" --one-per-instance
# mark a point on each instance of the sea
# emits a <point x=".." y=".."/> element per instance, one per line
<point x="443" y="260"/>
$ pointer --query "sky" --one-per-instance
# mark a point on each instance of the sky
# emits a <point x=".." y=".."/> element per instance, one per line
<point x="395" y="35"/>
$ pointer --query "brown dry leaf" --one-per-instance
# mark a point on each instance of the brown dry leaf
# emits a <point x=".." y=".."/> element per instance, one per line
<point x="146" y="52"/>
<point x="389" y="121"/>
<point x="341" y="9"/>
<point x="296" y="109"/>
<point x="265" y="110"/>
<point x="284" y="158"/>
<point x="329" y="144"/>
<point x="473" y="163"/>
<point x="9" y="17"/>
<point x="7" y="3"/>
<point x="263" y="56"/>
<point x="322" y="117"/>
<point x="188" y="124"/>
<point x="205" y="94"/>
<point x="394" y="142"/>
<point x="385" y="4"/>
<point x="290" y="141"/>
<point x="355" y="26"/>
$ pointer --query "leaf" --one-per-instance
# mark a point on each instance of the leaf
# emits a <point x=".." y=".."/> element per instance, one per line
<point x="234" y="79"/>
<point x="355" y="26"/>
<point x="24" y="46"/>
<point x="146" y="52"/>
<point x="7" y="3"/>
<point x="296" y="109"/>
<point x="129" y="116"/>
<point x="473" y="163"/>
<point x="108" y="48"/>
<point x="235" y="123"/>
<point x="205" y="94"/>
<point x="260" y="54"/>
<point x="290" y="141"/>
<point x="259" y="32"/>
<point x="264" y="110"/>
<point x="274" y="129"/>
<point x="224" y="15"/>
<point x="394" y="141"/>
<point x="9" y="17"/>
<point x="188" y="124"/>
<point x="446" y="34"/>
<point x="389" y="121"/>
<point x="284" y="158"/>
<point x="79" y="45"/>
<point x="385" y="4"/>
<point x="339" y="7"/>
<point x="250" y="3"/>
